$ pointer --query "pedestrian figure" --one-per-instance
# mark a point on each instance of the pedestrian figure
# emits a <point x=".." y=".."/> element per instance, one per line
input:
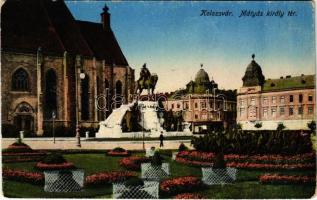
<point x="161" y="139"/>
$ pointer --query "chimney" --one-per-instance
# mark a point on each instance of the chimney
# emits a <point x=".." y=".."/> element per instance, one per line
<point x="105" y="18"/>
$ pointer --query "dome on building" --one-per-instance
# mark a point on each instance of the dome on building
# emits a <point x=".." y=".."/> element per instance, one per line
<point x="253" y="75"/>
<point x="202" y="77"/>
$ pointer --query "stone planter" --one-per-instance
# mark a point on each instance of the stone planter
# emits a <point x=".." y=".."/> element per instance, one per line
<point x="218" y="176"/>
<point x="150" y="190"/>
<point x="64" y="180"/>
<point x="152" y="172"/>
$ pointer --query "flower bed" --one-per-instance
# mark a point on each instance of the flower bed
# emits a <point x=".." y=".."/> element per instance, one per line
<point x="23" y="159"/>
<point x="45" y="166"/>
<point x="18" y="147"/>
<point x="286" y="179"/>
<point x="105" y="178"/>
<point x="193" y="162"/>
<point x="133" y="163"/>
<point x="118" y="153"/>
<point x="189" y="196"/>
<point x="23" y="176"/>
<point x="272" y="166"/>
<point x="269" y="158"/>
<point x="180" y="184"/>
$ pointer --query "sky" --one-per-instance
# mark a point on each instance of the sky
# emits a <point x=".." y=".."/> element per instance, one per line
<point x="173" y="39"/>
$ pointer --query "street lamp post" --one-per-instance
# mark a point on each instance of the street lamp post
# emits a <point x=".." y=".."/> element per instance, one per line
<point x="53" y="117"/>
<point x="78" y="71"/>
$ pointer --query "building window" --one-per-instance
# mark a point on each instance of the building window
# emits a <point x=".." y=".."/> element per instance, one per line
<point x="282" y="99"/>
<point x="196" y="105"/>
<point x="291" y="98"/>
<point x="20" y="80"/>
<point x="265" y="113"/>
<point x="253" y="101"/>
<point x="300" y="98"/>
<point x="186" y="106"/>
<point x="300" y="110"/>
<point x="310" y="109"/>
<point x="291" y="111"/>
<point x="196" y="116"/>
<point x="241" y="102"/>
<point x="85" y="98"/>
<point x="273" y="112"/>
<point x="50" y="95"/>
<point x="242" y="111"/>
<point x="172" y="106"/>
<point x="310" y="97"/>
<point x="178" y="105"/>
<point x="274" y="100"/>
<point x="265" y="100"/>
<point x="282" y="110"/>
<point x="203" y="105"/>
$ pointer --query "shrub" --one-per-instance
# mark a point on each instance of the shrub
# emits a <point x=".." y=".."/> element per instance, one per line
<point x="182" y="147"/>
<point x="156" y="160"/>
<point x="280" y="127"/>
<point x="219" y="161"/>
<point x="133" y="182"/>
<point x="118" y="149"/>
<point x="258" y="125"/>
<point x="312" y="126"/>
<point x="18" y="147"/>
<point x="254" y="142"/>
<point x="54" y="158"/>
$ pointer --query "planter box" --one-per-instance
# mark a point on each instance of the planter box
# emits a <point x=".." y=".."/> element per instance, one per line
<point x="218" y="176"/>
<point x="151" y="172"/>
<point x="64" y="180"/>
<point x="150" y="190"/>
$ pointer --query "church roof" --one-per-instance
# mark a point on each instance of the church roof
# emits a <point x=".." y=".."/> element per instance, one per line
<point x="102" y="42"/>
<point x="29" y="24"/>
<point x="287" y="83"/>
<point x="253" y="75"/>
<point x="202" y="77"/>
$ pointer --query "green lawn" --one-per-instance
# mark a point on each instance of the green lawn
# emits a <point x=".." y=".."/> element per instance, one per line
<point x="246" y="185"/>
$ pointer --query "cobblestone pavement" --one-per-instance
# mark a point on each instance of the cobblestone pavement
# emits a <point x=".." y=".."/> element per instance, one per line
<point x="70" y="143"/>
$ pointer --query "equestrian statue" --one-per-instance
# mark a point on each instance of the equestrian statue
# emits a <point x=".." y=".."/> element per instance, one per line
<point x="146" y="81"/>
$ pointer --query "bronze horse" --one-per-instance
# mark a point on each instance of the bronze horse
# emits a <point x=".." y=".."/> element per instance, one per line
<point x="148" y="84"/>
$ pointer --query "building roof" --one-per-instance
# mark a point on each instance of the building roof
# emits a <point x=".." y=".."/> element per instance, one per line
<point x="287" y="83"/>
<point x="29" y="24"/>
<point x="253" y="75"/>
<point x="202" y="77"/>
<point x="102" y="42"/>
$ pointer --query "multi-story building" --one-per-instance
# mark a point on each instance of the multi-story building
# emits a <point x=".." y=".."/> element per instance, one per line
<point x="269" y="102"/>
<point x="47" y="54"/>
<point x="203" y="105"/>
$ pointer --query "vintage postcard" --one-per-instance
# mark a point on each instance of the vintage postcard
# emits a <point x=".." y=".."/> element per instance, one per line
<point x="158" y="99"/>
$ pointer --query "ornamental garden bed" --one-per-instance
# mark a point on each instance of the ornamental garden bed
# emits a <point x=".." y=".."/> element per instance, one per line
<point x="54" y="161"/>
<point x="23" y="176"/>
<point x="106" y="178"/>
<point x="286" y="179"/>
<point x="189" y="196"/>
<point x="118" y="151"/>
<point x="180" y="185"/>
<point x="133" y="163"/>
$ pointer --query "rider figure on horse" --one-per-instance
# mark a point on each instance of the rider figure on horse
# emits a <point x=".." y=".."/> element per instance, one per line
<point x="144" y="74"/>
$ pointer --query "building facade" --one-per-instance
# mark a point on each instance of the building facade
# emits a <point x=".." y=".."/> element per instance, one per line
<point x="269" y="102"/>
<point x="52" y="63"/>
<point x="203" y="105"/>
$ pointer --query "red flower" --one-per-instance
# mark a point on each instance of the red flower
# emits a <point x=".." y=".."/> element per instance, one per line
<point x="117" y="153"/>
<point x="23" y="176"/>
<point x="133" y="163"/>
<point x="180" y="184"/>
<point x="108" y="177"/>
<point x="286" y="179"/>
<point x="44" y="166"/>
<point x="189" y="196"/>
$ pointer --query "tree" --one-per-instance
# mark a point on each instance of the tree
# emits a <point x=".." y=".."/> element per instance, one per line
<point x="258" y="125"/>
<point x="280" y="127"/>
<point x="312" y="126"/>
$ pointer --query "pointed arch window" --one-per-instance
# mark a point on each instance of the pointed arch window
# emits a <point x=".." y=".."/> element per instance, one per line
<point x="85" y="98"/>
<point x="20" y="80"/>
<point x="50" y="94"/>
